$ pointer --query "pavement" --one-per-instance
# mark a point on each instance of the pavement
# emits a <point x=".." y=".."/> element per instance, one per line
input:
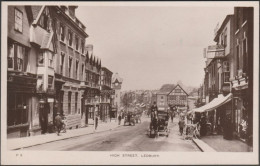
<point x="24" y="142"/>
<point x="219" y="144"/>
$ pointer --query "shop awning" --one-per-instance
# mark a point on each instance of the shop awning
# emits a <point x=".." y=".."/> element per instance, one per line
<point x="215" y="103"/>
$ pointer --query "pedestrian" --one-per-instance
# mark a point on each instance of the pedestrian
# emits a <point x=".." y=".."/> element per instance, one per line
<point x="181" y="125"/>
<point x="96" y="124"/>
<point x="119" y="119"/>
<point x="58" y="123"/>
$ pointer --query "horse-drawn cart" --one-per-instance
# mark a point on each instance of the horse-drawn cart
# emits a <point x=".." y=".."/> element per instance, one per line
<point x="159" y="124"/>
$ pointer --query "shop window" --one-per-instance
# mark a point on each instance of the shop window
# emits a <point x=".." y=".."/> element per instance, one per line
<point x="70" y="38"/>
<point x="61" y="101"/>
<point x="62" y="32"/>
<point x="69" y="102"/>
<point x="62" y="56"/>
<point x="17" y="113"/>
<point x="77" y="67"/>
<point x="76" y="103"/>
<point x="51" y="57"/>
<point x="50" y="81"/>
<point x="18" y="19"/>
<point x="41" y="59"/>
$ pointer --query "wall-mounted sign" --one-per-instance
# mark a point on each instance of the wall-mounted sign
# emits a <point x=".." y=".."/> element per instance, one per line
<point x="226" y="88"/>
<point x="215" y="51"/>
<point x="107" y="92"/>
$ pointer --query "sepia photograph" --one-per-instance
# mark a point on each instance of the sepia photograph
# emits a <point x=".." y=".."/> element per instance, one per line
<point x="136" y="83"/>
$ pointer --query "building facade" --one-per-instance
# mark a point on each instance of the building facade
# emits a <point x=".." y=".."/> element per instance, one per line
<point x="91" y="95"/>
<point x="116" y="100"/>
<point x="242" y="79"/>
<point x="106" y="94"/>
<point x="178" y="97"/>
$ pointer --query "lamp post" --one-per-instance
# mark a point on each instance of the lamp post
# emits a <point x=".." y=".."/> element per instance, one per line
<point x="95" y="111"/>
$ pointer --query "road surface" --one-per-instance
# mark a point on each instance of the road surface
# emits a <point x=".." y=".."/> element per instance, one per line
<point x="124" y="138"/>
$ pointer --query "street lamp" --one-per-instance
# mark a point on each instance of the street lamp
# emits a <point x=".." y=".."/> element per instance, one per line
<point x="95" y="111"/>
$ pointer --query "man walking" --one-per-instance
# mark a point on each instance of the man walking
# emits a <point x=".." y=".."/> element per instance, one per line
<point x="181" y="125"/>
<point x="119" y="119"/>
<point x="58" y="123"/>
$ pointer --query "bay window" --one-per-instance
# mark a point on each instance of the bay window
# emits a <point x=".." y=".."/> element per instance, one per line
<point x="16" y="55"/>
<point x="50" y="62"/>
<point x="41" y="59"/>
<point x="50" y="81"/>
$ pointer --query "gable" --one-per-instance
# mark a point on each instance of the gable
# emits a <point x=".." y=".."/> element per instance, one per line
<point x="178" y="91"/>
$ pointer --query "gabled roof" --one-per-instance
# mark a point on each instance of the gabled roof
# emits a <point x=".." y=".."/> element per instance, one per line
<point x="117" y="78"/>
<point x="181" y="88"/>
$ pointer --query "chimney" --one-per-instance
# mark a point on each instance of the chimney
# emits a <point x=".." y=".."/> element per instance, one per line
<point x="72" y="11"/>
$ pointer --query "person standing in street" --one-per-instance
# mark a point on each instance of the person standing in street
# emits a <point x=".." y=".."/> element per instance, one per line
<point x="119" y="119"/>
<point x="181" y="125"/>
<point x="58" y="123"/>
<point x="96" y="124"/>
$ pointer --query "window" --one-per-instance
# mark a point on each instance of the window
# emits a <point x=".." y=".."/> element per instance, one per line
<point x="77" y="43"/>
<point x="245" y="60"/>
<point x="18" y="19"/>
<point x="82" y="46"/>
<point x="50" y="81"/>
<point x="69" y="102"/>
<point x="161" y="97"/>
<point x="70" y="38"/>
<point x="177" y="90"/>
<point x="40" y="82"/>
<point x="62" y="56"/>
<point x="51" y="60"/>
<point x="76" y="102"/>
<point x="41" y="59"/>
<point x="82" y="71"/>
<point x="237" y="51"/>
<point x="225" y="39"/>
<point x="70" y="64"/>
<point x="77" y="67"/>
<point x="20" y="57"/>
<point x="17" y="113"/>
<point x="44" y="19"/>
<point x="16" y="56"/>
<point x="62" y="32"/>
<point x="182" y="97"/>
<point x="10" y="56"/>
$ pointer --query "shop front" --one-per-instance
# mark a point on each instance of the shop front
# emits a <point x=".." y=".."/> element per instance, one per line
<point x="20" y="90"/>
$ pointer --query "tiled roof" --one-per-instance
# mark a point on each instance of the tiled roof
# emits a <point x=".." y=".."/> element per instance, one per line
<point x="35" y="11"/>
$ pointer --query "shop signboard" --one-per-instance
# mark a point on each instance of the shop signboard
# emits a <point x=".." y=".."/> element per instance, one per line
<point x="215" y="51"/>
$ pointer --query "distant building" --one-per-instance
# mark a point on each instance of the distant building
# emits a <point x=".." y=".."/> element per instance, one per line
<point x="116" y="85"/>
<point x="106" y="93"/>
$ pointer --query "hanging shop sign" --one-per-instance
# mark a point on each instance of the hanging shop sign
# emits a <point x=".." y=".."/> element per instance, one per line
<point x="107" y="92"/>
<point x="215" y="51"/>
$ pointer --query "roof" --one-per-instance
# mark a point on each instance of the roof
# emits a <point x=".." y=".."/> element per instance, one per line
<point x="181" y="88"/>
<point x="166" y="89"/>
<point x="116" y="77"/>
<point x="228" y="17"/>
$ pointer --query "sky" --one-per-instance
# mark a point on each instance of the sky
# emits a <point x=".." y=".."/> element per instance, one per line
<point x="149" y="46"/>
